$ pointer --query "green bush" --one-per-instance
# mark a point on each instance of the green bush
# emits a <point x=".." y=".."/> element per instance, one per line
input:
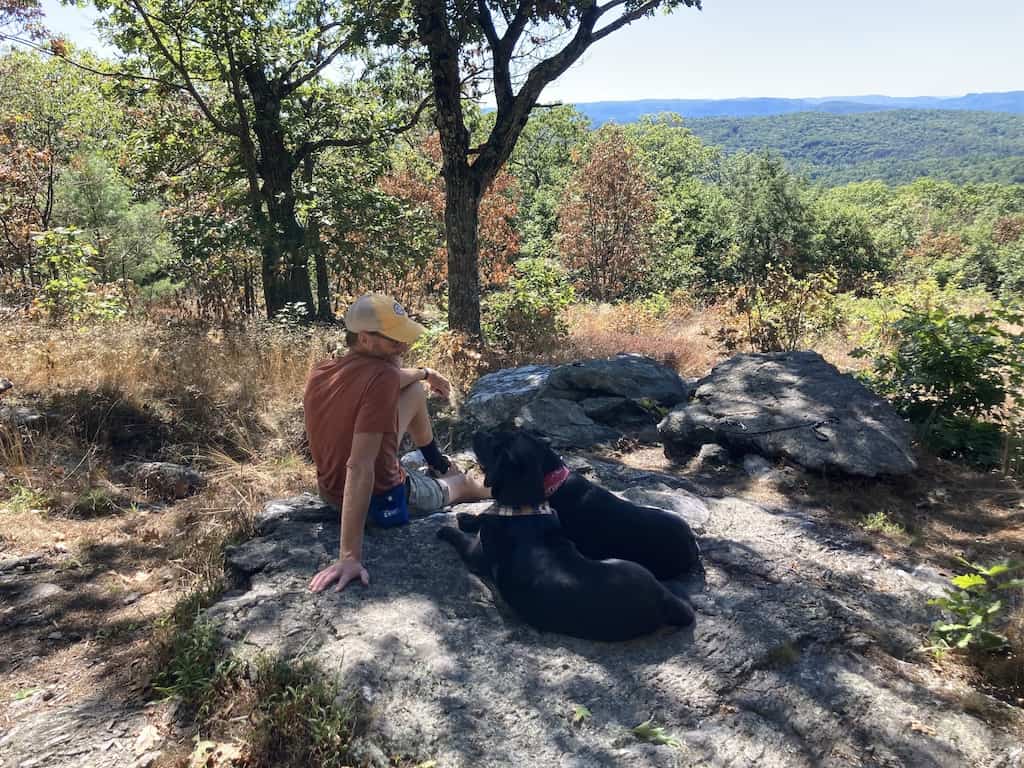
<point x="528" y="317"/>
<point x="948" y="364"/>
<point x="976" y="606"/>
<point x="957" y="377"/>
<point x="72" y="293"/>
<point x="783" y="313"/>
<point x="870" y="319"/>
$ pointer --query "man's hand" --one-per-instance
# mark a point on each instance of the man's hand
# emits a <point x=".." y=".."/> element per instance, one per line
<point x="438" y="384"/>
<point x="342" y="572"/>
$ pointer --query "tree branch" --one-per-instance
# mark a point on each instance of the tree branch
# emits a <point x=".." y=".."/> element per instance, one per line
<point x="181" y="69"/>
<point x="312" y="147"/>
<point x="120" y="75"/>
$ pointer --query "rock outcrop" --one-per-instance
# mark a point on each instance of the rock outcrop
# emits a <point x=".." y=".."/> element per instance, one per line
<point x="805" y="651"/>
<point x="794" y="406"/>
<point x="581" y="404"/>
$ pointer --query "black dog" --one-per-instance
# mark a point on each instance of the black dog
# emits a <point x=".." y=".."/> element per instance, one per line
<point x="602" y="525"/>
<point x="539" y="571"/>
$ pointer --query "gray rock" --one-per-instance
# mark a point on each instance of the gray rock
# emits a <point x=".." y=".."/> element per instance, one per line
<point x="623" y="393"/>
<point x="22" y="417"/>
<point x="796" y="406"/>
<point x="627" y="375"/>
<point x="773" y="674"/>
<point x="713" y="456"/>
<point x="305" y="507"/>
<point x="41" y="593"/>
<point x="618" y="411"/>
<point x="756" y="465"/>
<point x="163" y="479"/>
<point x="497" y="397"/>
<point x="688" y="506"/>
<point x="565" y="423"/>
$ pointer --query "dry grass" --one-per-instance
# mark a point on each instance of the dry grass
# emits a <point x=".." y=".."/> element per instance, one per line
<point x="681" y="337"/>
<point x="135" y="572"/>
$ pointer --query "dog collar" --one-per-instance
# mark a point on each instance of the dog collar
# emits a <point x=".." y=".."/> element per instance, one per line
<point x="553" y="480"/>
<point x="541" y="509"/>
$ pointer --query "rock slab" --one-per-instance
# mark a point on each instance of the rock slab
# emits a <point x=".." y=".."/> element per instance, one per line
<point x="580" y="404"/>
<point x="794" y="406"/>
<point x="804" y="652"/>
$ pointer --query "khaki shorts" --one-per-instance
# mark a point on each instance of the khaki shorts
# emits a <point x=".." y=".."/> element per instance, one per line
<point x="423" y="493"/>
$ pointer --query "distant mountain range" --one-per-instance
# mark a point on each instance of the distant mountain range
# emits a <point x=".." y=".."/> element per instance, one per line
<point x="601" y="112"/>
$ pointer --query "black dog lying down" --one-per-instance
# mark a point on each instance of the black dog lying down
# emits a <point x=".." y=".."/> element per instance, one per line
<point x="602" y="525"/>
<point x="540" y="572"/>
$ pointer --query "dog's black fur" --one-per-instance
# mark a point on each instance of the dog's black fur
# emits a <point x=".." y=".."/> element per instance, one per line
<point x="540" y="572"/>
<point x="602" y="525"/>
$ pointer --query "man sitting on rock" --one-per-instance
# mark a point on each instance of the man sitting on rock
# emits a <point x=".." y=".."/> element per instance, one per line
<point x="357" y="409"/>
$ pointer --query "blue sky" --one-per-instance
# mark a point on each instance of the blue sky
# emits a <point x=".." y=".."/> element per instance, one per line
<point x="785" y="48"/>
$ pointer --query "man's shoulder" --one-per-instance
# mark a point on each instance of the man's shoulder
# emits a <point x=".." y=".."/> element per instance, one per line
<point x="356" y="366"/>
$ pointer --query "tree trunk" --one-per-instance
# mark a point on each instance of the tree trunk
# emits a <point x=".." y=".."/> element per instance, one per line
<point x="285" y="260"/>
<point x="314" y="246"/>
<point x="461" y="219"/>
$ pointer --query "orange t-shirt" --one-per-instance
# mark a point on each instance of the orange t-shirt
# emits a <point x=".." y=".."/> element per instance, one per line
<point x="356" y="393"/>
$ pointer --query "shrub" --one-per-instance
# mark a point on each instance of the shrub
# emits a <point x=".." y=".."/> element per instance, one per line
<point x="72" y="293"/>
<point x="977" y="607"/>
<point x="948" y="364"/>
<point x="784" y="313"/>
<point x="527" y="318"/>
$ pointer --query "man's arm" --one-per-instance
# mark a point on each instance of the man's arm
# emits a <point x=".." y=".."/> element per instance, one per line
<point x="354" y="506"/>
<point x="438" y="384"/>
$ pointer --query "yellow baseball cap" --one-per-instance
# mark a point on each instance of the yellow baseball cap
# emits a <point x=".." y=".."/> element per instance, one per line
<point x="382" y="314"/>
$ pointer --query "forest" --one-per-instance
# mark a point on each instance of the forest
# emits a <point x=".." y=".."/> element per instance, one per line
<point x="896" y="146"/>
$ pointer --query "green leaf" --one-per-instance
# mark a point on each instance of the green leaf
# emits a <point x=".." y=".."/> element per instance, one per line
<point x="580" y="714"/>
<point x="655" y="734"/>
<point x="968" y="580"/>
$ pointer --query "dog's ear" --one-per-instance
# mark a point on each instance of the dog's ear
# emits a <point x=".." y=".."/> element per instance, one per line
<point x="549" y="459"/>
<point x="516" y="478"/>
<point x="483" y="447"/>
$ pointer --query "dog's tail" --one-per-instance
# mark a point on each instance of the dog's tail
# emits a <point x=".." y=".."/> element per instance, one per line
<point x="678" y="612"/>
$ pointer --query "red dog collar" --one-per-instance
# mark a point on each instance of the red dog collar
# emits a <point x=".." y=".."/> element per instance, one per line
<point x="553" y="480"/>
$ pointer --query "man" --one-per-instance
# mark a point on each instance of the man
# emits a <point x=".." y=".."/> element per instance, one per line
<point x="357" y="409"/>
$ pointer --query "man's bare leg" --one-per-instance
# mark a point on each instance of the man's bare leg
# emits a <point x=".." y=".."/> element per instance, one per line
<point x="412" y="415"/>
<point x="414" y="419"/>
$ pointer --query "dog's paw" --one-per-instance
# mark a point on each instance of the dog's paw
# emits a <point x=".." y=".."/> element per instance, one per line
<point x="467" y="522"/>
<point x="448" y="533"/>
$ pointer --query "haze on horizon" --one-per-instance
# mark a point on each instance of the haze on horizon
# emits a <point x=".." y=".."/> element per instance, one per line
<point x="788" y="49"/>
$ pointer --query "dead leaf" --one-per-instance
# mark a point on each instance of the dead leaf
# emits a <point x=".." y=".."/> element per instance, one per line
<point x="922" y="728"/>
<point x="214" y="754"/>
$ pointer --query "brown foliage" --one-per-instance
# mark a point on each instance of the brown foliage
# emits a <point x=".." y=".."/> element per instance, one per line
<point x="605" y="220"/>
<point x="1008" y="229"/>
<point x="26" y="193"/>
<point x="423" y="187"/>
<point x="935" y="246"/>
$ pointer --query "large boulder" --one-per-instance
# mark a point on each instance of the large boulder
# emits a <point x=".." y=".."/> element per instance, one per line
<point x="579" y="404"/>
<point x="791" y="405"/>
<point x="564" y="422"/>
<point x="804" y="652"/>
<point x="626" y="375"/>
<point x="497" y="398"/>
